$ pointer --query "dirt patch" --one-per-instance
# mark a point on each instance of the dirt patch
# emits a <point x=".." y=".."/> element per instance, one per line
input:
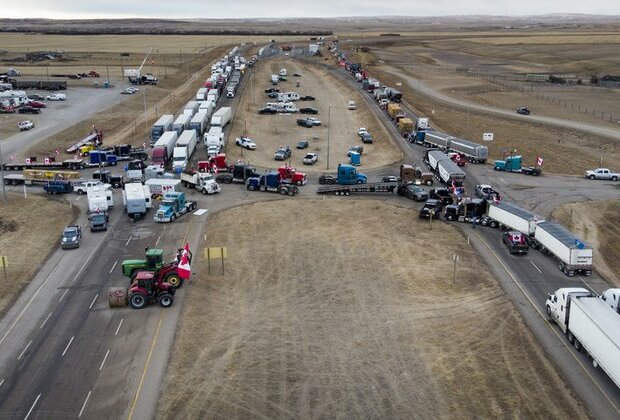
<point x="314" y="320"/>
<point x="30" y="229"/>
<point x="597" y="222"/>
<point x="273" y="131"/>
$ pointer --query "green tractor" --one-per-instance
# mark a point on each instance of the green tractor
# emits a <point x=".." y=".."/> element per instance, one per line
<point x="154" y="260"/>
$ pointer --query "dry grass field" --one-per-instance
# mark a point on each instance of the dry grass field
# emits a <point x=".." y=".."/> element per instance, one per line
<point x="598" y="223"/>
<point x="311" y="320"/>
<point x="273" y="131"/>
<point x="29" y="229"/>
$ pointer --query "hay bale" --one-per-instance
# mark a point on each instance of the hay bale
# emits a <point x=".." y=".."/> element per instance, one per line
<point x="117" y="297"/>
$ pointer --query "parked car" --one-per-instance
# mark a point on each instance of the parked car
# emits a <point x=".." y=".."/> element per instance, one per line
<point x="412" y="191"/>
<point x="56" y="97"/>
<point x="441" y="194"/>
<point x="29" y="110"/>
<point x="389" y="178"/>
<point x="327" y="179"/>
<point x="271" y="90"/>
<point x="305" y="123"/>
<point x="515" y="241"/>
<point x="213" y="150"/>
<point x="282" y="153"/>
<point x="303" y="144"/>
<point x="351" y="105"/>
<point x="36" y="104"/>
<point x="366" y="138"/>
<point x="432" y="208"/>
<point x="246" y="143"/>
<point x="485" y="191"/>
<point x="267" y="110"/>
<point x="308" y="111"/>
<point x="25" y="125"/>
<point x="307" y="98"/>
<point x="273" y="95"/>
<point x="357" y="149"/>
<point x="35" y="97"/>
<point x="310" y="158"/>
<point x="361" y="131"/>
<point x="71" y="237"/>
<point x="128" y="91"/>
<point x="315" y="121"/>
<point x="296" y="75"/>
<point x="523" y="110"/>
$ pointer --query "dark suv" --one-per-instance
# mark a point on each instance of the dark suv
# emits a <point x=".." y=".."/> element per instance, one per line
<point x="413" y="192"/>
<point x="29" y="110"/>
<point x="523" y="110"/>
<point x="441" y="194"/>
<point x="432" y="208"/>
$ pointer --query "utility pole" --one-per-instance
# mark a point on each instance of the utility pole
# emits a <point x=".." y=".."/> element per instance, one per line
<point x="329" y="111"/>
<point x="144" y="100"/>
<point x="2" y="176"/>
<point x="455" y="258"/>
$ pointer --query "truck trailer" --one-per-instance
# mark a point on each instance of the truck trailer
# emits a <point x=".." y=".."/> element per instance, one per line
<point x="183" y="150"/>
<point x="137" y="200"/>
<point x="450" y="173"/>
<point x="514" y="217"/>
<point x="433" y="157"/>
<point x="163" y="148"/>
<point x="163" y="124"/>
<point x="221" y="117"/>
<point x="571" y="252"/>
<point x="590" y="325"/>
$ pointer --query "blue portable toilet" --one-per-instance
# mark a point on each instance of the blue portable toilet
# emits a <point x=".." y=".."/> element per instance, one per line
<point x="356" y="159"/>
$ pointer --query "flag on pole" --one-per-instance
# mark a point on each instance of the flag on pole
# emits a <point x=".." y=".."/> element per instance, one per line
<point x="144" y="144"/>
<point x="183" y="269"/>
<point x="540" y="161"/>
<point x="57" y="152"/>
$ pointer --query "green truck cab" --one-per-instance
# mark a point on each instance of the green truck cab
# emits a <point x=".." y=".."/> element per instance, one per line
<point x="154" y="260"/>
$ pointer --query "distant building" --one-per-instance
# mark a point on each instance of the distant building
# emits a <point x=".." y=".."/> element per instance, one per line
<point x="608" y="81"/>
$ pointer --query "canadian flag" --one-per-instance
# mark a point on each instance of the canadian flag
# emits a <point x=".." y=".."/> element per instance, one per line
<point x="183" y="269"/>
<point x="540" y="161"/>
<point x="57" y="152"/>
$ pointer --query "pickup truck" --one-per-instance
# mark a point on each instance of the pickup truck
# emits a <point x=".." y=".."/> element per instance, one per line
<point x="71" y="237"/>
<point x="310" y="158"/>
<point x="245" y="142"/>
<point x="602" y="173"/>
<point x="282" y="153"/>
<point x="515" y="242"/>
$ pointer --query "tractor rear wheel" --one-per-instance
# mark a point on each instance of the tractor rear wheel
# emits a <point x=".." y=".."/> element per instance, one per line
<point x="165" y="300"/>
<point x="174" y="280"/>
<point x="283" y="191"/>
<point x="137" y="300"/>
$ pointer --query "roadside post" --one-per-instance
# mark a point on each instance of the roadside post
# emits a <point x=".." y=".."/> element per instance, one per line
<point x="220" y="252"/>
<point x="455" y="258"/>
<point x="4" y="261"/>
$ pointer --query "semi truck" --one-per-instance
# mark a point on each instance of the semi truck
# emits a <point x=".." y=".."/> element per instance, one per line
<point x="199" y="122"/>
<point x="163" y="148"/>
<point x="201" y="94"/>
<point x="475" y="153"/>
<point x="410" y="174"/>
<point x="221" y="117"/>
<point x="206" y="107"/>
<point x="173" y="206"/>
<point x="433" y="157"/>
<point x="572" y="253"/>
<point x="191" y="108"/>
<point x="163" y="124"/>
<point x="590" y="325"/>
<point x="450" y="173"/>
<point x="393" y="110"/>
<point x="405" y="126"/>
<point x="271" y="182"/>
<point x="181" y="123"/>
<point x="160" y="186"/>
<point x="137" y="200"/>
<point x="514" y="164"/>
<point x="201" y="181"/>
<point x="239" y="172"/>
<point x="514" y="217"/>
<point x="213" y="95"/>
<point x="183" y="150"/>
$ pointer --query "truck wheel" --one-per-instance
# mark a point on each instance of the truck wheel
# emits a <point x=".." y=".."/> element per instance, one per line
<point x="496" y="168"/>
<point x="174" y="279"/>
<point x="429" y="182"/>
<point x="347" y="193"/>
<point x="577" y="345"/>
<point x="449" y="218"/>
<point x="283" y="191"/>
<point x="592" y="177"/>
<point x="300" y="183"/>
<point x="251" y="187"/>
<point x="548" y="310"/>
<point x="570" y="337"/>
<point x="359" y="182"/>
<point x="165" y="300"/>
<point x="80" y="192"/>
<point x="614" y="178"/>
<point x="173" y="218"/>
<point x="137" y="301"/>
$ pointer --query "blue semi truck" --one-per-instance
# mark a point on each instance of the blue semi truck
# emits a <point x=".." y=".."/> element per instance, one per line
<point x="271" y="182"/>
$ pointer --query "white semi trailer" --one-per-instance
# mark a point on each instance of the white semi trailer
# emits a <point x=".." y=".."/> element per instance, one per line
<point x="572" y="253"/>
<point x="590" y="325"/>
<point x="514" y="217"/>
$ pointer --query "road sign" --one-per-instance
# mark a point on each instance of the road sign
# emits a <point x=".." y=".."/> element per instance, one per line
<point x="220" y="252"/>
<point x="487" y="136"/>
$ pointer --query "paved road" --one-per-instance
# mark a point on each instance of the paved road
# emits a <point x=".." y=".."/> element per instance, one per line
<point x="574" y="125"/>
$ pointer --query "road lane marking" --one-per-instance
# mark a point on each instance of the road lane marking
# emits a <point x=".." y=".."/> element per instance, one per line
<point x="32" y="407"/>
<point x="536" y="267"/>
<point x="119" y="326"/>
<point x="84" y="405"/>
<point x="588" y="286"/>
<point x="128" y="240"/>
<point x="93" y="302"/>
<point x="555" y="331"/>
<point x="1" y="383"/>
<point x="67" y="348"/>
<point x="104" y="359"/>
<point x="63" y="296"/>
<point x="114" y="266"/>
<point x="45" y="321"/>
<point x="24" y="350"/>
<point x="146" y="365"/>
<point x="6" y="334"/>
<point x="157" y="241"/>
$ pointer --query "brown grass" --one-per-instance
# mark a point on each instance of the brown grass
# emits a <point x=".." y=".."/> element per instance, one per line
<point x="313" y="320"/>
<point x="37" y="223"/>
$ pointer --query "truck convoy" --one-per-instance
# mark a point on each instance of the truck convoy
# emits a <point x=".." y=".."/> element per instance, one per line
<point x="589" y="324"/>
<point x="163" y="124"/>
<point x="183" y="150"/>
<point x="173" y="206"/>
<point x="164" y="148"/>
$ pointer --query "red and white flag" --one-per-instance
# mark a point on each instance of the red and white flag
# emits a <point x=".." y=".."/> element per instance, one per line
<point x="540" y="161"/>
<point x="57" y="152"/>
<point x="183" y="269"/>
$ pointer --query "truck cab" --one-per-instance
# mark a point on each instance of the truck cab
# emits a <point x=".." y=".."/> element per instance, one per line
<point x="348" y="175"/>
<point x="98" y="221"/>
<point x="558" y="304"/>
<point x="612" y="298"/>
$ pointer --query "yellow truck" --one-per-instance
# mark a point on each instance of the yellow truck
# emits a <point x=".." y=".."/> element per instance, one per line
<point x="393" y="110"/>
<point x="405" y="125"/>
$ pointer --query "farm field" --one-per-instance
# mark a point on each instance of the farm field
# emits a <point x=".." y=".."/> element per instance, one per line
<point x="318" y="322"/>
<point x="339" y="124"/>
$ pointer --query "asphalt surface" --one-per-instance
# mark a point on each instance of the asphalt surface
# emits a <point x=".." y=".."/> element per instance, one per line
<point x="65" y="354"/>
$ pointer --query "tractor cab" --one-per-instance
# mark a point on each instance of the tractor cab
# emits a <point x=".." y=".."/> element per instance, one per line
<point x="145" y="280"/>
<point x="154" y="258"/>
<point x="148" y="286"/>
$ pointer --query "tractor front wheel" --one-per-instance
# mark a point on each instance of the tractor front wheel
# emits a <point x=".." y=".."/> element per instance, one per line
<point x="137" y="300"/>
<point x="166" y="300"/>
<point x="174" y="280"/>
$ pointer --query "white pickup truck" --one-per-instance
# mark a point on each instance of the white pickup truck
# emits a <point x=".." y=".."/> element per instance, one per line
<point x="602" y="173"/>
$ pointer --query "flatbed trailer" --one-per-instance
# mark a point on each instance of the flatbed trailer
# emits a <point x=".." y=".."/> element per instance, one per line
<point x="73" y="164"/>
<point x="373" y="187"/>
<point x="91" y="138"/>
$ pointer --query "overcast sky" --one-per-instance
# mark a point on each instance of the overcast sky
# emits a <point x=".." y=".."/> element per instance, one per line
<point x="60" y="9"/>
